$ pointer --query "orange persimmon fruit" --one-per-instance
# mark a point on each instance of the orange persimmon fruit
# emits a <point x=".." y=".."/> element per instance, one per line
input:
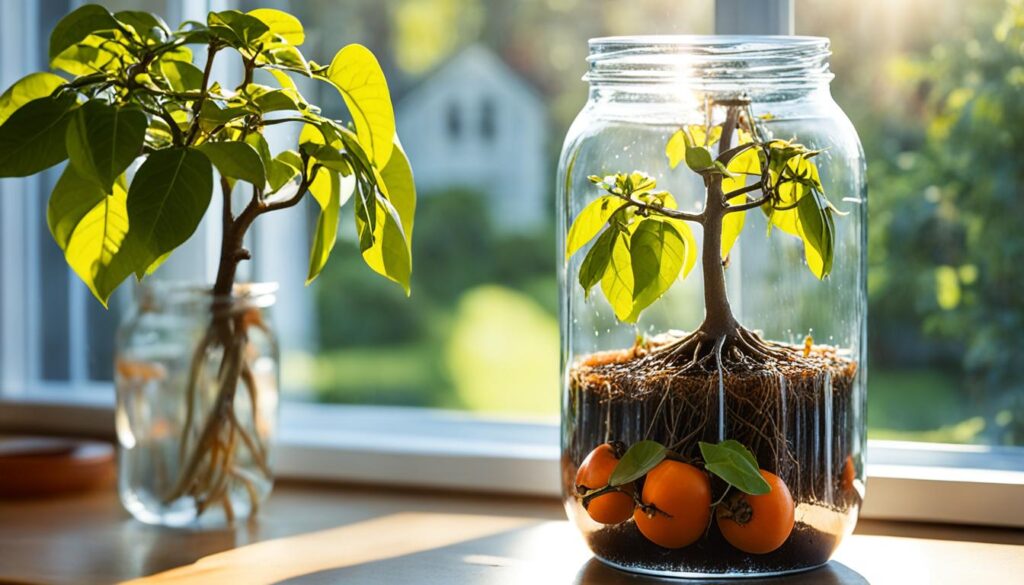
<point x="676" y="504"/>
<point x="593" y="474"/>
<point x="849" y="474"/>
<point x="758" y="524"/>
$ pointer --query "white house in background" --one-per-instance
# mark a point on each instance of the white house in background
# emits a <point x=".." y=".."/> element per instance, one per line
<point x="473" y="122"/>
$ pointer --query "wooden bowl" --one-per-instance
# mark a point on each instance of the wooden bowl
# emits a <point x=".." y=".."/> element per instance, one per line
<point x="48" y="466"/>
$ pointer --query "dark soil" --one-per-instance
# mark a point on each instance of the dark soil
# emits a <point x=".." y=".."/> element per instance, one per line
<point x="796" y="415"/>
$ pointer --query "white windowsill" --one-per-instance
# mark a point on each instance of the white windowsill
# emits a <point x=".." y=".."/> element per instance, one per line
<point x="451" y="450"/>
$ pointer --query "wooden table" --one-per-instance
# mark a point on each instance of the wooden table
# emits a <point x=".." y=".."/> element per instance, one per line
<point x="356" y="535"/>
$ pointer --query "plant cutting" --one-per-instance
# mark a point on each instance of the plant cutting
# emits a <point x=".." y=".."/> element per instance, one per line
<point x="723" y="438"/>
<point x="149" y="135"/>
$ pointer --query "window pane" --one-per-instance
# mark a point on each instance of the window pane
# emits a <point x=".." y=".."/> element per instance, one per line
<point x="936" y="92"/>
<point x="484" y="91"/>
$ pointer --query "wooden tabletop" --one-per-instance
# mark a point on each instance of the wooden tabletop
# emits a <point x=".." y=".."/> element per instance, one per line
<point x="356" y="535"/>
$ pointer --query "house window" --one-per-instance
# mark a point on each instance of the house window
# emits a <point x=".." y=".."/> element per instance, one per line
<point x="488" y="123"/>
<point x="454" y="121"/>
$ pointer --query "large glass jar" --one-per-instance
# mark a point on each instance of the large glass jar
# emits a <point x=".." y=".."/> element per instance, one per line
<point x="197" y="395"/>
<point x="762" y="348"/>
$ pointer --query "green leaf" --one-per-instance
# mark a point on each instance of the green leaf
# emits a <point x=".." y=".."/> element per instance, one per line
<point x="657" y="253"/>
<point x="167" y="200"/>
<point x="639" y="459"/>
<point x="617" y="282"/>
<point x="818" y="232"/>
<point x="326" y="190"/>
<point x="182" y="76"/>
<point x="590" y="221"/>
<point x="236" y="160"/>
<point x="211" y="115"/>
<point x="595" y="263"/>
<point x="396" y="181"/>
<point x="698" y="158"/>
<point x="236" y="28"/>
<point x="77" y="25"/>
<point x="71" y="199"/>
<point x="146" y="25"/>
<point x="103" y="140"/>
<point x="287" y="56"/>
<point x="276" y="100"/>
<point x="281" y="24"/>
<point x="90" y="226"/>
<point x="32" y="86"/>
<point x="328" y="156"/>
<point x="357" y="75"/>
<point x="388" y="253"/>
<point x="283" y="168"/>
<point x="33" y="137"/>
<point x="93" y="54"/>
<point x="736" y="465"/>
<point x="684" y="230"/>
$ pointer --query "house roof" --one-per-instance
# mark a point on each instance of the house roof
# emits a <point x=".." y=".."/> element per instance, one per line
<point x="469" y="52"/>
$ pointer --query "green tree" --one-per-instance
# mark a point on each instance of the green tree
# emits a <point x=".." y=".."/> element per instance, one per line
<point x="951" y="218"/>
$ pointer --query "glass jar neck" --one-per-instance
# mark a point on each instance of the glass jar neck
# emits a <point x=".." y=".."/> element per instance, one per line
<point x="673" y="68"/>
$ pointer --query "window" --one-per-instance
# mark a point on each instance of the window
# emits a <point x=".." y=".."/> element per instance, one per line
<point x="454" y="119"/>
<point x="488" y="124"/>
<point x="931" y="89"/>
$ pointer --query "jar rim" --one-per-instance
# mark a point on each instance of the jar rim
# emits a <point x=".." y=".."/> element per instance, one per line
<point x="722" y="43"/>
<point x="709" y="60"/>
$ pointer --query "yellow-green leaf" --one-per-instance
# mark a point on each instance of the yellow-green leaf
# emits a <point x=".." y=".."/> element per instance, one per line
<point x="732" y="225"/>
<point x="26" y="89"/>
<point x="590" y="221"/>
<point x="617" y="282"/>
<point x="90" y="227"/>
<point x="357" y="75"/>
<point x="701" y="137"/>
<point x="388" y="255"/>
<point x="282" y="24"/>
<point x="685" y="231"/>
<point x="675" y="149"/>
<point x="595" y="263"/>
<point x="397" y="184"/>
<point x="742" y="165"/>
<point x="326" y="190"/>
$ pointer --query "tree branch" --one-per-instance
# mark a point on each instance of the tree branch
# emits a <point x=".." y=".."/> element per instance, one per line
<point x="294" y="199"/>
<point x="226" y="217"/>
<point x="672" y="213"/>
<point x="211" y="51"/>
<point x="748" y="205"/>
<point x="742" y="190"/>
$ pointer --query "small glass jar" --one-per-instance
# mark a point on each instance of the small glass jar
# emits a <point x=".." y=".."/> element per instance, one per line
<point x="197" y="397"/>
<point x="802" y="421"/>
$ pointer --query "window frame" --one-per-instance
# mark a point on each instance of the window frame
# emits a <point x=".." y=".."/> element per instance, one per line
<point x="906" y="481"/>
<point x="359" y="444"/>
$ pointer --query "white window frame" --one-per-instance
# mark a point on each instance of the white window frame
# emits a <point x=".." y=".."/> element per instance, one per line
<point x="427" y="448"/>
